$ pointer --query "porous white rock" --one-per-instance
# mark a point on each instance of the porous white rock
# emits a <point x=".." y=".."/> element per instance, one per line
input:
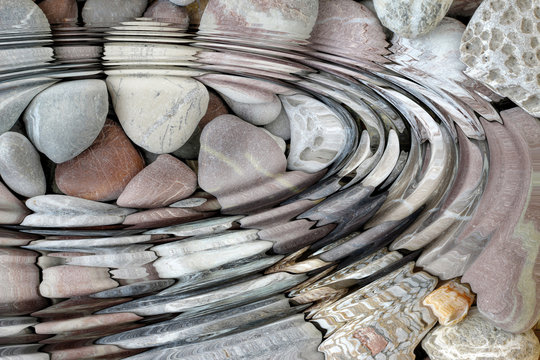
<point x="158" y="113"/>
<point x="411" y="18"/>
<point x="501" y="48"/>
<point x="318" y="136"/>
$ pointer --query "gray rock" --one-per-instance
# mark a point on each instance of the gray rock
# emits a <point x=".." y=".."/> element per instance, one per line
<point x="67" y="211"/>
<point x="106" y="11"/>
<point x="15" y="97"/>
<point x="22" y="15"/>
<point x="158" y="113"/>
<point x="281" y="126"/>
<point x="12" y="210"/>
<point x="411" y="18"/>
<point x="476" y="338"/>
<point x="65" y="119"/>
<point x="20" y="167"/>
<point x="182" y="2"/>
<point x="500" y="48"/>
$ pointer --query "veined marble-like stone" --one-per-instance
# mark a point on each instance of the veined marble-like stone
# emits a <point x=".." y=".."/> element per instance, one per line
<point x="88" y="244"/>
<point x="295" y="18"/>
<point x="10" y="326"/>
<point x="102" y="171"/>
<point x="163" y="217"/>
<point x="20" y="166"/>
<point x="294" y="235"/>
<point x="450" y="303"/>
<point x="278" y="215"/>
<point x="411" y="18"/>
<point x="76" y="351"/>
<point x="291" y="338"/>
<point x="138" y="288"/>
<point x="166" y="11"/>
<point x="158" y="113"/>
<point x="161" y="183"/>
<point x="506" y="274"/>
<point x="475" y="337"/>
<point x="19" y="280"/>
<point x="500" y="48"/>
<point x="84" y="323"/>
<point x="23" y="351"/>
<point x="318" y="135"/>
<point x="210" y="226"/>
<point x="67" y="281"/>
<point x="252" y="183"/>
<point x="349" y="28"/>
<point x="67" y="211"/>
<point x="104" y="11"/>
<point x="64" y="120"/>
<point x="76" y="307"/>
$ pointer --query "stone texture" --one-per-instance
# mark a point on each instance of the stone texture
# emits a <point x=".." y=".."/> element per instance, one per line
<point x="158" y="113"/>
<point x="506" y="274"/>
<point x="295" y="18"/>
<point x="476" y="338"/>
<point x="349" y="28"/>
<point x="500" y="48"/>
<point x="450" y="303"/>
<point x="19" y="280"/>
<point x="67" y="211"/>
<point x="105" y="11"/>
<point x="67" y="281"/>
<point x="411" y="18"/>
<point x="102" y="171"/>
<point x="160" y="217"/>
<point x="63" y="120"/>
<point x="22" y="15"/>
<point x="463" y="7"/>
<point x="166" y="11"/>
<point x="252" y="183"/>
<point x="84" y="323"/>
<point x="12" y="210"/>
<point x="20" y="166"/>
<point x="161" y="183"/>
<point x="318" y="136"/>
<point x="59" y="11"/>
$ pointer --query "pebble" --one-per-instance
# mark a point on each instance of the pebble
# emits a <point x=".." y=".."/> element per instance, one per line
<point x="60" y="11"/>
<point x="158" y="113"/>
<point x="84" y="323"/>
<point x="450" y="303"/>
<point x="66" y="281"/>
<point x="21" y="16"/>
<point x="294" y="18"/>
<point x="20" y="166"/>
<point x="318" y="136"/>
<point x="500" y="49"/>
<point x="12" y="210"/>
<point x="68" y="211"/>
<point x="160" y="217"/>
<point x="350" y="28"/>
<point x="103" y="170"/>
<point x="411" y="18"/>
<point x="476" y="338"/>
<point x="105" y="11"/>
<point x="64" y="120"/>
<point x="281" y="126"/>
<point x="166" y="11"/>
<point x="161" y="183"/>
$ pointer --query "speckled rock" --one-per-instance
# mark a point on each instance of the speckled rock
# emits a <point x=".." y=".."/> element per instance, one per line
<point x="161" y="183"/>
<point x="158" y="113"/>
<point x="20" y="166"/>
<point x="12" y="210"/>
<point x="103" y="170"/>
<point x="166" y="11"/>
<point x="65" y="119"/>
<point x="411" y="18"/>
<point x="59" y="11"/>
<point x="500" y="48"/>
<point x="475" y="338"/>
<point x="350" y="28"/>
<point x="21" y="15"/>
<point x="295" y="17"/>
<point x="105" y="11"/>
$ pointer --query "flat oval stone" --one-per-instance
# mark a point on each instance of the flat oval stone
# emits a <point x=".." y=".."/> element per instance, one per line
<point x="163" y="217"/>
<point x="105" y="11"/>
<point x="161" y="183"/>
<point x="66" y="281"/>
<point x="59" y="11"/>
<point x="158" y="113"/>
<point x="12" y="210"/>
<point x="411" y="18"/>
<point x="166" y="11"/>
<point x="64" y="120"/>
<point x="295" y="17"/>
<point x="476" y="338"/>
<point x="103" y="170"/>
<point x="84" y="323"/>
<point x="20" y="166"/>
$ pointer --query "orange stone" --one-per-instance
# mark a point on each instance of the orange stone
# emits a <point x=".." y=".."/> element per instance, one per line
<point x="450" y="303"/>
